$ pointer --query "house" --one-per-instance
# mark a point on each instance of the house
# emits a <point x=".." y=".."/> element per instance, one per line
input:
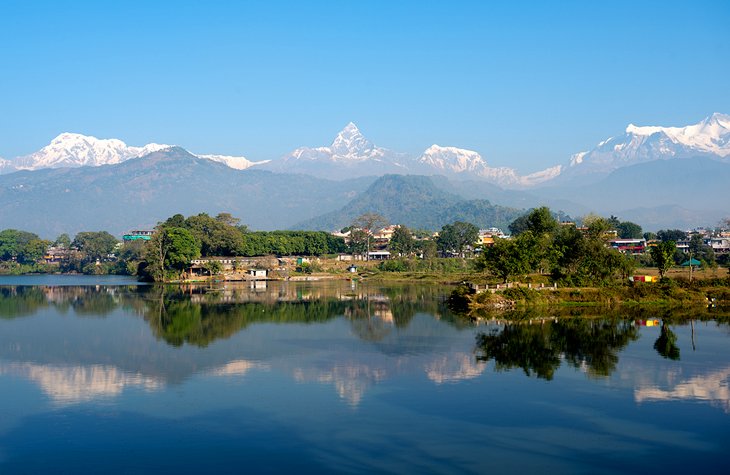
<point x="378" y="255"/>
<point x="137" y="235"/>
<point x="629" y="246"/>
<point x="258" y="273"/>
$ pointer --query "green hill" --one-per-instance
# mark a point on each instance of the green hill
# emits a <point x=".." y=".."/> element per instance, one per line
<point x="416" y="202"/>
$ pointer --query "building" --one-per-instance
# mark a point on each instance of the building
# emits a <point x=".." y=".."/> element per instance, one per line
<point x="137" y="235"/>
<point x="629" y="246"/>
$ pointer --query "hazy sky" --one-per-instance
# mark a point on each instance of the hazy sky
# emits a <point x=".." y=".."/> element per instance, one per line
<point x="526" y="84"/>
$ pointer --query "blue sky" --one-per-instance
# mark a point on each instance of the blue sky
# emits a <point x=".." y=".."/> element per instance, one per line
<point x="526" y="84"/>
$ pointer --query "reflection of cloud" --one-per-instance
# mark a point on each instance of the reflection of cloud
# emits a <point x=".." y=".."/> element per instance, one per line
<point x="454" y="367"/>
<point x="75" y="384"/>
<point x="712" y="388"/>
<point x="237" y="368"/>
<point x="350" y="381"/>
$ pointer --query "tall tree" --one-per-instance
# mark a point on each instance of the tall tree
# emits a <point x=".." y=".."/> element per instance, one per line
<point x="454" y="238"/>
<point x="629" y="230"/>
<point x="94" y="245"/>
<point x="663" y="256"/>
<point x="671" y="235"/>
<point x="369" y="223"/>
<point x="402" y="241"/>
<point x="506" y="259"/>
<point x="170" y="250"/>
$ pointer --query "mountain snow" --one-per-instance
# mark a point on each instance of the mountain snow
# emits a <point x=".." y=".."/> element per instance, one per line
<point x="452" y="160"/>
<point x="349" y="146"/>
<point x="351" y="154"/>
<point x="77" y="150"/>
<point x="710" y="138"/>
<point x="239" y="163"/>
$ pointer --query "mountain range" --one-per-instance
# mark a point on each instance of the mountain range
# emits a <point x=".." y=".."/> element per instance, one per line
<point x="660" y="177"/>
<point x="352" y="155"/>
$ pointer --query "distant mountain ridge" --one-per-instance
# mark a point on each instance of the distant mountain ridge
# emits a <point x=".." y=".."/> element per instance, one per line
<point x="77" y="150"/>
<point x="351" y="155"/>
<point x="708" y="138"/>
<point x="414" y="201"/>
<point x="140" y="192"/>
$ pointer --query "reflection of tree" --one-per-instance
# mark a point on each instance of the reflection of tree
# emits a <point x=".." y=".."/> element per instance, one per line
<point x="666" y="344"/>
<point x="538" y="349"/>
<point x="21" y="301"/>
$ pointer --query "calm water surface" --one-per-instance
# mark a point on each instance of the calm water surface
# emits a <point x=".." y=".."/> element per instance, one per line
<point x="110" y="377"/>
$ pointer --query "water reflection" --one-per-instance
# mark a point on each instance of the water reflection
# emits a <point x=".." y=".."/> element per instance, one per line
<point x="712" y="388"/>
<point x="351" y="338"/>
<point x="539" y="349"/>
<point x="75" y="384"/>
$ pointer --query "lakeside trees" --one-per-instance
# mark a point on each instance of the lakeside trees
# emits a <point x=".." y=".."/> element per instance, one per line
<point x="569" y="255"/>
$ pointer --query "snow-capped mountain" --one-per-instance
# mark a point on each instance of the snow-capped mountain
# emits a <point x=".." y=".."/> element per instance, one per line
<point x="239" y="163"/>
<point x="458" y="161"/>
<point x="350" y="154"/>
<point x="708" y="138"/>
<point x="77" y="150"/>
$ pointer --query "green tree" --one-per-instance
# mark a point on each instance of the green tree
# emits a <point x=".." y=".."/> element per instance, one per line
<point x="402" y="241"/>
<point x="666" y="344"/>
<point x="369" y="223"/>
<point x="540" y="221"/>
<point x="359" y="241"/>
<point x="456" y="237"/>
<point x="170" y="251"/>
<point x="33" y="251"/>
<point x="94" y="245"/>
<point x="13" y="243"/>
<point x="63" y="241"/>
<point x="629" y="230"/>
<point x="506" y="258"/>
<point x="663" y="256"/>
<point x="671" y="235"/>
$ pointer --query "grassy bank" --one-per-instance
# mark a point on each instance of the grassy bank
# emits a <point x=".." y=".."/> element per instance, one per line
<point x="668" y="293"/>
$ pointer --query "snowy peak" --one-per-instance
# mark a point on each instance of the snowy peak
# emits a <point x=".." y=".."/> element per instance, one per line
<point x="239" y="163"/>
<point x="710" y="137"/>
<point x="452" y="159"/>
<point x="350" y="143"/>
<point x="76" y="150"/>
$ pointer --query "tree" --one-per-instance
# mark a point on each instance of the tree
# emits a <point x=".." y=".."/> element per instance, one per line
<point x="63" y="241"/>
<point x="13" y="243"/>
<point x="666" y="344"/>
<point x="359" y="241"/>
<point x="506" y="258"/>
<point x="598" y="227"/>
<point x="671" y="235"/>
<point x="94" y="245"/>
<point x="33" y="251"/>
<point x="701" y="251"/>
<point x="454" y="238"/>
<point x="629" y="230"/>
<point x="540" y="221"/>
<point x="402" y="241"/>
<point x="216" y="237"/>
<point x="663" y="256"/>
<point x="369" y="222"/>
<point x="170" y="249"/>
<point x="228" y="219"/>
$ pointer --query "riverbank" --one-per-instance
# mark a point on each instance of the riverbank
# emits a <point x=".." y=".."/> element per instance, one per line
<point x="669" y="292"/>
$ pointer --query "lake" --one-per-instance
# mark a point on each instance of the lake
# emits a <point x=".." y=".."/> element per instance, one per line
<point x="107" y="376"/>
